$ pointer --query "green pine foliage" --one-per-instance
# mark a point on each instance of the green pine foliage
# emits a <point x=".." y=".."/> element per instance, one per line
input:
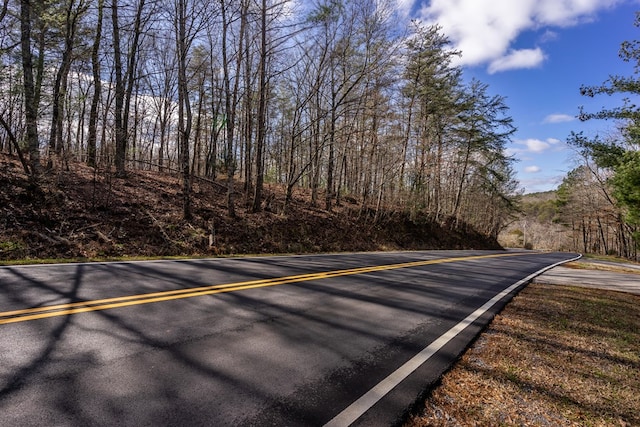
<point x="618" y="155"/>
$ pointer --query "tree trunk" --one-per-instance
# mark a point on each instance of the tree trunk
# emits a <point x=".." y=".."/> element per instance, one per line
<point x="16" y="145"/>
<point x="262" y="112"/>
<point x="184" y="107"/>
<point x="97" y="88"/>
<point x="231" y="97"/>
<point x="197" y="143"/>
<point x="59" y="86"/>
<point x="31" y="109"/>
<point x="331" y="160"/>
<point x="465" y="165"/>
<point x="132" y="65"/>
<point x="120" y="130"/>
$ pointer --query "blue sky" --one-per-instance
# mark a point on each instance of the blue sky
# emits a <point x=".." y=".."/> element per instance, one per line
<point x="537" y="54"/>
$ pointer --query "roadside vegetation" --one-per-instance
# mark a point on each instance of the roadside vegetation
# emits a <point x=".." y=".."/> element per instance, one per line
<point x="339" y="103"/>
<point x="78" y="215"/>
<point x="596" y="208"/>
<point x="597" y="266"/>
<point x="555" y="356"/>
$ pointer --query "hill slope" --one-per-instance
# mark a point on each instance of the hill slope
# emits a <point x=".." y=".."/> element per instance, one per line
<point x="81" y="213"/>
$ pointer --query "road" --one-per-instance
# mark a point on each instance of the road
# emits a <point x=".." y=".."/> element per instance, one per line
<point x="300" y="340"/>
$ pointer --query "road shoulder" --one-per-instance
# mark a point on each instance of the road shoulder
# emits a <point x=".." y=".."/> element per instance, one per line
<point x="564" y="352"/>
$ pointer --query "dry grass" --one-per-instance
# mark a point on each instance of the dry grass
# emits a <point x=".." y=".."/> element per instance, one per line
<point x="556" y="356"/>
<point x="585" y="265"/>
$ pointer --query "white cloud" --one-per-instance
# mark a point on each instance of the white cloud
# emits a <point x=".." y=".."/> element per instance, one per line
<point x="532" y="169"/>
<point x="536" y="145"/>
<point x="558" y="118"/>
<point x="516" y="59"/>
<point x="484" y="30"/>
<point x="543" y="183"/>
<point x="548" y="36"/>
<point x="568" y="12"/>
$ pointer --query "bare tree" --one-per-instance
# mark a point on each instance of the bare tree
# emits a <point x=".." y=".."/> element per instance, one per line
<point x="30" y="98"/>
<point x="126" y="78"/>
<point x="97" y="88"/>
<point x="334" y="99"/>
<point x="189" y="18"/>
<point x="231" y="85"/>
<point x="73" y="12"/>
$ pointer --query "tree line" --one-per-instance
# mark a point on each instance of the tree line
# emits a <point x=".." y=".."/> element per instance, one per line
<point x="334" y="96"/>
<point x="600" y="199"/>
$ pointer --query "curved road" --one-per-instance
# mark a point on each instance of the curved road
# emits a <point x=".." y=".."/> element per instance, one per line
<point x="299" y="340"/>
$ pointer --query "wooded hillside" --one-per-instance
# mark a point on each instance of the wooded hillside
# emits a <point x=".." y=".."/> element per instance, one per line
<point x="581" y="216"/>
<point x="538" y="225"/>
<point x="596" y="209"/>
<point x="334" y="101"/>
<point x="81" y="213"/>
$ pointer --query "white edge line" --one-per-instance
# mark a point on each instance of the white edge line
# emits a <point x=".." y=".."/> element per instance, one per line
<point x="370" y="398"/>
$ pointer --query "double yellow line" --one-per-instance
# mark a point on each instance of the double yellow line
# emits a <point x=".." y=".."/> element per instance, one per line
<point x="34" y="313"/>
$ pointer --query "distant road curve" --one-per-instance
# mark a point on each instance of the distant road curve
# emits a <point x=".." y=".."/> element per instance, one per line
<point x="343" y="339"/>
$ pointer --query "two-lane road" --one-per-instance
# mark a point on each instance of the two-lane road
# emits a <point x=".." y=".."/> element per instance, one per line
<point x="301" y="340"/>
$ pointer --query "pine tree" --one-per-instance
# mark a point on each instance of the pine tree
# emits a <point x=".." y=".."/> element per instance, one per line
<point x="620" y="155"/>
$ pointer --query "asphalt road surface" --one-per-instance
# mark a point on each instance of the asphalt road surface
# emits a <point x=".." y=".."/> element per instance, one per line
<point x="348" y="339"/>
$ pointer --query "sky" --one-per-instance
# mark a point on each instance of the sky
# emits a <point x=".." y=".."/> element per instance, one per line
<point x="537" y="54"/>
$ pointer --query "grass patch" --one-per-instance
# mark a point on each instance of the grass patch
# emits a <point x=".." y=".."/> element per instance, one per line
<point x="608" y="258"/>
<point x="10" y="246"/>
<point x="556" y="355"/>
<point x="581" y="265"/>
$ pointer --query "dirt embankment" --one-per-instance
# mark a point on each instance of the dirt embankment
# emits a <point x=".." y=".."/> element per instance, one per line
<point x="79" y="212"/>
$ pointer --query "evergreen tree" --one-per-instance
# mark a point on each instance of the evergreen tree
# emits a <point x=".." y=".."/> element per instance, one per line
<point x="621" y="155"/>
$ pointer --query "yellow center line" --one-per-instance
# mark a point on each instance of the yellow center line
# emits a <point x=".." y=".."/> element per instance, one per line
<point x="34" y="313"/>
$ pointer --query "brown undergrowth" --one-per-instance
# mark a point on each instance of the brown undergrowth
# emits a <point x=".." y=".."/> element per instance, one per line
<point x="556" y="356"/>
<point x="79" y="212"/>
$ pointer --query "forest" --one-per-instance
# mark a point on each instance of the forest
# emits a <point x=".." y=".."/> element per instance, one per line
<point x="342" y="101"/>
<point x="596" y="208"/>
